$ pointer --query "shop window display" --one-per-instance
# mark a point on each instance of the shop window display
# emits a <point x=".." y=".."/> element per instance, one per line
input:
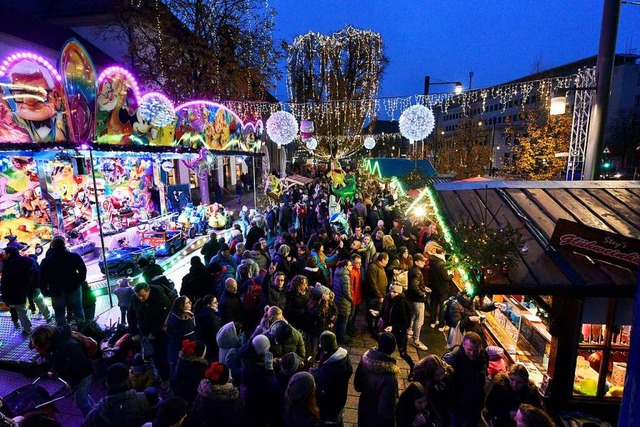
<point x="603" y="348"/>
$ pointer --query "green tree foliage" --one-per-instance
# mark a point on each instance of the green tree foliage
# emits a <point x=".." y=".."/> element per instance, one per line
<point x="465" y="152"/>
<point x="535" y="151"/>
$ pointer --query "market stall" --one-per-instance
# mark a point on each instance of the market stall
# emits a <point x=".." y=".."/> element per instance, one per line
<point x="568" y="286"/>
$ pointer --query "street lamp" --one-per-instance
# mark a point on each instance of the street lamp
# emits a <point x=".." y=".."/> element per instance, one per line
<point x="427" y="82"/>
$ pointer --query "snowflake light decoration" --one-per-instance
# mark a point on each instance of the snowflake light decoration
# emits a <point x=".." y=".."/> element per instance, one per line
<point x="282" y="127"/>
<point x="416" y="122"/>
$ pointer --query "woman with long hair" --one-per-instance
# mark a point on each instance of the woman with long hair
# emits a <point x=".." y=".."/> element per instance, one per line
<point x="413" y="408"/>
<point x="297" y="299"/>
<point x="271" y="315"/>
<point x="316" y="317"/>
<point x="180" y="324"/>
<point x="433" y="373"/>
<point x="508" y="392"/>
<point x="208" y="324"/>
<point x="301" y="406"/>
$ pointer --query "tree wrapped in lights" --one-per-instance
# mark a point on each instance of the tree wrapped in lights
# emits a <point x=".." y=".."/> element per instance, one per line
<point x="464" y="152"/>
<point x="213" y="49"/>
<point x="333" y="80"/>
<point x="535" y="151"/>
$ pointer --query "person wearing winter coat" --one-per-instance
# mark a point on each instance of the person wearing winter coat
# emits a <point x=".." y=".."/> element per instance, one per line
<point x="313" y="274"/>
<point x="417" y="294"/>
<point x="277" y="387"/>
<point x="68" y="360"/>
<point x="332" y="379"/>
<point x="435" y="376"/>
<point x="254" y="235"/>
<point x="301" y="410"/>
<point x="415" y="410"/>
<point x="212" y="247"/>
<point x="284" y="338"/>
<point x="208" y="324"/>
<point x="17" y="272"/>
<point x="61" y="276"/>
<point x="396" y="315"/>
<point x="224" y="259"/>
<point x="316" y="318"/>
<point x="260" y="254"/>
<point x="122" y="406"/>
<point x="439" y="282"/>
<point x="228" y="339"/>
<point x="273" y="290"/>
<point x="298" y="296"/>
<point x="231" y="308"/>
<point x="341" y="287"/>
<point x="146" y="318"/>
<point x="283" y="260"/>
<point x="217" y="403"/>
<point x="355" y="280"/>
<point x="179" y="325"/>
<point x="469" y="362"/>
<point x="508" y="392"/>
<point x="375" y="287"/>
<point x="257" y="368"/>
<point x="190" y="369"/>
<point x="125" y="293"/>
<point x="197" y="282"/>
<point x="464" y="309"/>
<point x="376" y="380"/>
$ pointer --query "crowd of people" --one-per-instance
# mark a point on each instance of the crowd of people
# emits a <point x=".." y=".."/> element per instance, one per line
<point x="257" y="332"/>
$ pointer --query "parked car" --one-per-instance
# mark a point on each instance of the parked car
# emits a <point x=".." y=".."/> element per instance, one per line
<point x="124" y="261"/>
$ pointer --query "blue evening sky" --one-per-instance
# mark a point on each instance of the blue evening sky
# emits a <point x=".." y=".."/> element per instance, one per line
<point x="497" y="40"/>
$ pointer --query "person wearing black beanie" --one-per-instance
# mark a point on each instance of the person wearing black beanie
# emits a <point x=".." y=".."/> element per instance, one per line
<point x="123" y="406"/>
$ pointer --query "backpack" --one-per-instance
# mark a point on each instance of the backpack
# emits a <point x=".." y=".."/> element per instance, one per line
<point x="446" y="307"/>
<point x="167" y="286"/>
<point x="89" y="344"/>
<point x="253" y="297"/>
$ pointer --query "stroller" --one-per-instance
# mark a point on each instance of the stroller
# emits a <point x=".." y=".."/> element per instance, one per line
<point x="32" y="398"/>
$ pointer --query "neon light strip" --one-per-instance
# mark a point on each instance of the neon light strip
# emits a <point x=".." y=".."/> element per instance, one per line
<point x="446" y="232"/>
<point x="28" y="55"/>
<point x="119" y="70"/>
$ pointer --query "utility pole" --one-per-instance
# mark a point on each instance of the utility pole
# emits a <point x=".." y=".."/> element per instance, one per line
<point x="470" y="78"/>
<point x="604" y="74"/>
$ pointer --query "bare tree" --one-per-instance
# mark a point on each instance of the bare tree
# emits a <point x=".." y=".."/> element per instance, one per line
<point x="538" y="64"/>
<point x="214" y="49"/>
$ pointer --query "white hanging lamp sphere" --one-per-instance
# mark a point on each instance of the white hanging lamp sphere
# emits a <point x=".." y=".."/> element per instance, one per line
<point x="369" y="142"/>
<point x="416" y="122"/>
<point x="311" y="143"/>
<point x="282" y="127"/>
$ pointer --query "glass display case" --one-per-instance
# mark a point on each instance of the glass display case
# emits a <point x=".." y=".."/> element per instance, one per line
<point x="603" y="347"/>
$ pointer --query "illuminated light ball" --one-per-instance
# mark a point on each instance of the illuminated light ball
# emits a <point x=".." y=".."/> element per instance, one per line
<point x="311" y="143"/>
<point x="369" y="142"/>
<point x="282" y="127"/>
<point x="416" y="122"/>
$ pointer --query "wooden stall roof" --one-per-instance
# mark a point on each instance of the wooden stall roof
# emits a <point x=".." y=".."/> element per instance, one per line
<point x="298" y="179"/>
<point x="535" y="207"/>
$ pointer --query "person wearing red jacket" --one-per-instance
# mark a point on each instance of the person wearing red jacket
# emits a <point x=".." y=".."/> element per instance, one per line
<point x="356" y="292"/>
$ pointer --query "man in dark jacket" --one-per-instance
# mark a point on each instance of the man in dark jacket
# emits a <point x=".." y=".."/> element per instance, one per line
<point x="123" y="406"/>
<point x="17" y="275"/>
<point x="332" y="379"/>
<point x="68" y="358"/>
<point x="273" y="292"/>
<point x="417" y="294"/>
<point x="469" y="362"/>
<point x="231" y="308"/>
<point x="197" y="282"/>
<point x="254" y="235"/>
<point x="439" y="279"/>
<point x="146" y="316"/>
<point x="284" y="339"/>
<point x="341" y="287"/>
<point x="61" y="275"/>
<point x="376" y="380"/>
<point x="376" y="287"/>
<point x="211" y="248"/>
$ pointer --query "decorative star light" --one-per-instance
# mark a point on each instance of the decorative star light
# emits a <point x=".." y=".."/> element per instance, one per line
<point x="369" y="142"/>
<point x="416" y="122"/>
<point x="282" y="127"/>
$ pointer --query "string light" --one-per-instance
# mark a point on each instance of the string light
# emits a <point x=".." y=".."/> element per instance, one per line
<point x="416" y="122"/>
<point x="282" y="127"/>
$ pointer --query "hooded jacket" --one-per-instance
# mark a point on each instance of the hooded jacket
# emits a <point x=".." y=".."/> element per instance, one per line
<point x="341" y="287"/>
<point x="332" y="380"/>
<point x="227" y="339"/>
<point x="377" y="381"/>
<point x="126" y="409"/>
<point x="293" y="343"/>
<point x="217" y="405"/>
<point x="189" y="371"/>
<point x="17" y="270"/>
